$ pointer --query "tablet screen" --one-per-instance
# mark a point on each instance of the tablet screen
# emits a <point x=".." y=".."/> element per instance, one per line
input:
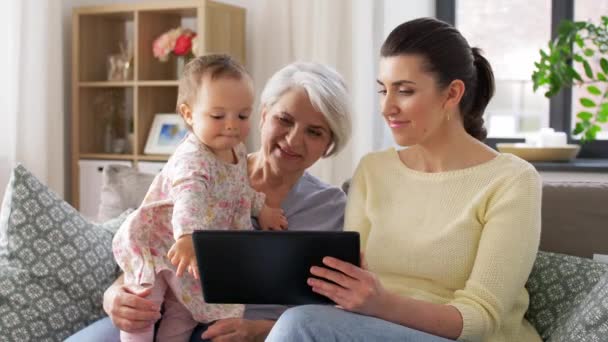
<point x="267" y="267"/>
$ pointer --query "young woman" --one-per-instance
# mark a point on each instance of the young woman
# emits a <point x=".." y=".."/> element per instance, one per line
<point x="449" y="227"/>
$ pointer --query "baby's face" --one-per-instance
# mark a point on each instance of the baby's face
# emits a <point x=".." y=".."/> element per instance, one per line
<point x="220" y="116"/>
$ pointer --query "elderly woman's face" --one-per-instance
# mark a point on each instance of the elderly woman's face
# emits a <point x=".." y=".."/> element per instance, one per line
<point x="294" y="134"/>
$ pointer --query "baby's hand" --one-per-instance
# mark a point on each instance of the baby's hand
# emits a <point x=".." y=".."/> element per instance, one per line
<point x="182" y="255"/>
<point x="272" y="218"/>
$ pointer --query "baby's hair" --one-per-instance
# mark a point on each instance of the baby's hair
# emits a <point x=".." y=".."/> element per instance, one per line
<point x="216" y="66"/>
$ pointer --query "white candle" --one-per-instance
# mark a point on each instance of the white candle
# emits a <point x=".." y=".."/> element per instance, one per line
<point x="549" y="138"/>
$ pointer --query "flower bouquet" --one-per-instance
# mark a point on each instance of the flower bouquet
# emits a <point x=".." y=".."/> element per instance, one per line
<point x="178" y="41"/>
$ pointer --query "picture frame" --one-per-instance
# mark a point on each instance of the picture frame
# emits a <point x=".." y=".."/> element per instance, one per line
<point x="165" y="134"/>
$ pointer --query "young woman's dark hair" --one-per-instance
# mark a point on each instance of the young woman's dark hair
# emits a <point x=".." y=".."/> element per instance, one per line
<point x="449" y="57"/>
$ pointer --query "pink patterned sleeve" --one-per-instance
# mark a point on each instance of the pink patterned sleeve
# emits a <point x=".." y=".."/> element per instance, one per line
<point x="257" y="202"/>
<point x="190" y="193"/>
<point x="257" y="198"/>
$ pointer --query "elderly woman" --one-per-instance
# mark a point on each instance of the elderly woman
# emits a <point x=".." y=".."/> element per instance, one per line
<point x="305" y="116"/>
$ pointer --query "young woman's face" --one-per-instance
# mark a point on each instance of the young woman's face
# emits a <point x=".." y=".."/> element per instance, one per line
<point x="410" y="100"/>
<point x="294" y="134"/>
<point x="220" y="116"/>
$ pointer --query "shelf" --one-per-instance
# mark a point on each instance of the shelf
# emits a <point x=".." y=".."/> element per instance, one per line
<point x="106" y="156"/>
<point x="100" y="36"/>
<point x="106" y="114"/>
<point x="114" y="111"/>
<point x="153" y="157"/>
<point x="124" y="84"/>
<point x="106" y="84"/>
<point x="152" y="24"/>
<point x="152" y="101"/>
<point x="158" y="83"/>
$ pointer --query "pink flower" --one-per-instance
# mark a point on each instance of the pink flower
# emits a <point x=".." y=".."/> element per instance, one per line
<point x="183" y="44"/>
<point x="178" y="41"/>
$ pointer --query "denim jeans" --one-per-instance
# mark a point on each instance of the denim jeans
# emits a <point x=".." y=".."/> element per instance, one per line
<point x="100" y="331"/>
<point x="310" y="323"/>
<point x="104" y="331"/>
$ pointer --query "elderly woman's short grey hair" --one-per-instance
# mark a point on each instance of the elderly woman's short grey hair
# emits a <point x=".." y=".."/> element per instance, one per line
<point x="325" y="89"/>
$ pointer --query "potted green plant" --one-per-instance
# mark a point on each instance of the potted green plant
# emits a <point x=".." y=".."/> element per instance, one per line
<point x="584" y="43"/>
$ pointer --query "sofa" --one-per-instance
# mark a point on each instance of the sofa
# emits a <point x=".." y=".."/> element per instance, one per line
<point x="55" y="264"/>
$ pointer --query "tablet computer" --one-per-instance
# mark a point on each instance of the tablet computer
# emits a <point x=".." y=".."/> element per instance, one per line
<point x="267" y="267"/>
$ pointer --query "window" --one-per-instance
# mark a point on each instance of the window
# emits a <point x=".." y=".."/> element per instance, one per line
<point x="588" y="10"/>
<point x="511" y="33"/>
<point x="511" y="49"/>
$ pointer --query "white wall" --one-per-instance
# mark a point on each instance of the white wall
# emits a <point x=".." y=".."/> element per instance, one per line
<point x="8" y="91"/>
<point x="399" y="11"/>
<point x="32" y="108"/>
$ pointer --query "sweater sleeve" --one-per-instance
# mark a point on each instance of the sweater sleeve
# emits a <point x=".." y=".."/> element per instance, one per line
<point x="191" y="197"/>
<point x="258" y="200"/>
<point x="355" y="217"/>
<point x="505" y="255"/>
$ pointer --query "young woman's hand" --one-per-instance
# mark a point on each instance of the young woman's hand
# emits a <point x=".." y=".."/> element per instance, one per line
<point x="238" y="330"/>
<point x="130" y="311"/>
<point x="357" y="289"/>
<point x="182" y="256"/>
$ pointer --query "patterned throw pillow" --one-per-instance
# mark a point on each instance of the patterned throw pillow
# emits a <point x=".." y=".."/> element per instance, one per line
<point x="589" y="320"/>
<point x="54" y="265"/>
<point x="557" y="284"/>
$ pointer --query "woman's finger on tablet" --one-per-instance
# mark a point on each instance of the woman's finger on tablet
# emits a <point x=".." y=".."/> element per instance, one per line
<point x="337" y="277"/>
<point x="345" y="267"/>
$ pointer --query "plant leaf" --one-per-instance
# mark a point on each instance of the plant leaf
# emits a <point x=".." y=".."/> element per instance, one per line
<point x="604" y="65"/>
<point x="585" y="116"/>
<point x="578" y="129"/>
<point x="590" y="135"/>
<point x="587" y="102"/>
<point x="603" y="108"/>
<point x="579" y="41"/>
<point x="578" y="58"/>
<point x="594" y="90"/>
<point x="588" y="70"/>
<point x="601" y="76"/>
<point x="588" y="52"/>
<point x="573" y="74"/>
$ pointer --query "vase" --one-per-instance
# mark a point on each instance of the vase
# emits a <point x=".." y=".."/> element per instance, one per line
<point x="181" y="64"/>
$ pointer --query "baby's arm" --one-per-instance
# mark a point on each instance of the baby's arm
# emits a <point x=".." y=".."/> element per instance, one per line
<point x="190" y="194"/>
<point x="269" y="218"/>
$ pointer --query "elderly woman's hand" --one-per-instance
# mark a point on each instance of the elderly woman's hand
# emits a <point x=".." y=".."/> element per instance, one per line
<point x="238" y="330"/>
<point x="357" y="289"/>
<point x="130" y="311"/>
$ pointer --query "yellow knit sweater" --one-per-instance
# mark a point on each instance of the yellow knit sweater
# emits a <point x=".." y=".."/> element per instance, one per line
<point x="466" y="238"/>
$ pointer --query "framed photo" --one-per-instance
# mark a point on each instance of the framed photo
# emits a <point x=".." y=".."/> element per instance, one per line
<point x="166" y="133"/>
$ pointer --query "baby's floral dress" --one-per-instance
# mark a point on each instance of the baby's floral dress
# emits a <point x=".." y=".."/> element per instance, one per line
<point x="194" y="191"/>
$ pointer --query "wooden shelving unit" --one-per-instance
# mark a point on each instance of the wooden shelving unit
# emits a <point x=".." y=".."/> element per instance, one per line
<point x="97" y="33"/>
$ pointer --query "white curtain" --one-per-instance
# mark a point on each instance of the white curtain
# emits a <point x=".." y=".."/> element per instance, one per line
<point x="339" y="33"/>
<point x="32" y="90"/>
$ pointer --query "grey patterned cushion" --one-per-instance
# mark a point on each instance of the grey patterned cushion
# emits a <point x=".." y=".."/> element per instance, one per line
<point x="589" y="320"/>
<point x="557" y="284"/>
<point x="54" y="265"/>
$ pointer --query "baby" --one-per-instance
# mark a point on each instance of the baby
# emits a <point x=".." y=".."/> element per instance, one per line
<point x="204" y="185"/>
